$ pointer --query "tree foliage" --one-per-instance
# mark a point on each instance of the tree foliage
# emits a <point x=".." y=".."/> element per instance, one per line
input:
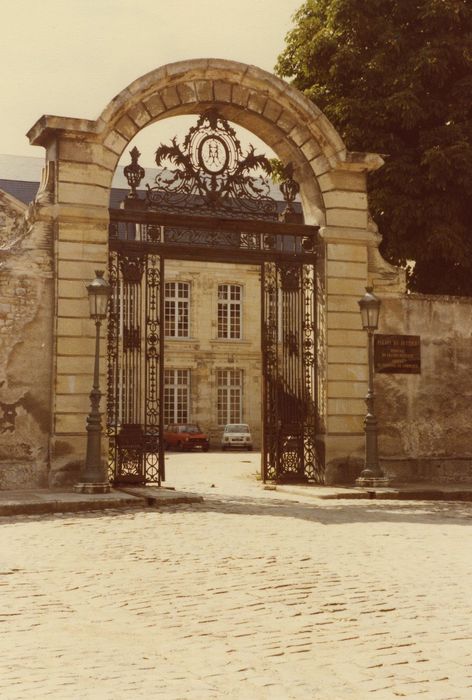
<point x="395" y="77"/>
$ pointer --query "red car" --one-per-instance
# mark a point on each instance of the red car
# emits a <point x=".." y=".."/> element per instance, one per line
<point x="185" y="437"/>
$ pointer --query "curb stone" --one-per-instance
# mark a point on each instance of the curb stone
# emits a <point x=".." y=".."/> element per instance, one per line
<point x="50" y="501"/>
<point x="384" y="493"/>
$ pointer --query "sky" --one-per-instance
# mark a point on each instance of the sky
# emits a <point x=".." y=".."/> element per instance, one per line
<point x="71" y="57"/>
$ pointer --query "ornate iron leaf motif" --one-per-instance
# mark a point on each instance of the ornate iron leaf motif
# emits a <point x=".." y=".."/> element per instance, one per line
<point x="212" y="174"/>
<point x="132" y="266"/>
<point x="152" y="233"/>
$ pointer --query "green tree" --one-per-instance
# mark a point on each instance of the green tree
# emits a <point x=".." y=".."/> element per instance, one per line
<point x="395" y="77"/>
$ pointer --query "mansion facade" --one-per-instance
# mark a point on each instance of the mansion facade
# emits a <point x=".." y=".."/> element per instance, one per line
<point x="212" y="351"/>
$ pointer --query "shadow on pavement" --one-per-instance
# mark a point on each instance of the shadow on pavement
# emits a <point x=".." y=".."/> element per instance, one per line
<point x="332" y="512"/>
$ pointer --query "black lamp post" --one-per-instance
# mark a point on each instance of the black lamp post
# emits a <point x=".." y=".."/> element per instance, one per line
<point x="370" y="309"/>
<point x="94" y="478"/>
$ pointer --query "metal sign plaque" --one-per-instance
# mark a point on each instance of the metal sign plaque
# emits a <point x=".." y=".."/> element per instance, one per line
<point x="397" y="354"/>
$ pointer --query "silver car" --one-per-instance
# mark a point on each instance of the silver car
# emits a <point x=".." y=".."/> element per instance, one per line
<point x="236" y="435"/>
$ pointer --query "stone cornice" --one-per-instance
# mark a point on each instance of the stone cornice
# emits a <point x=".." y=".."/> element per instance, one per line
<point x="48" y="126"/>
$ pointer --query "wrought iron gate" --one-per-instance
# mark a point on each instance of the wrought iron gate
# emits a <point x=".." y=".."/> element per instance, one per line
<point x="288" y="342"/>
<point x="232" y="219"/>
<point x="135" y="367"/>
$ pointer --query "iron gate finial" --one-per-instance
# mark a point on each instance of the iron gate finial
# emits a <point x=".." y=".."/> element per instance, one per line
<point x="134" y="173"/>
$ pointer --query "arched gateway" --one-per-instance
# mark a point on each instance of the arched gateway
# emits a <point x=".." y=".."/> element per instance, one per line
<point x="340" y="256"/>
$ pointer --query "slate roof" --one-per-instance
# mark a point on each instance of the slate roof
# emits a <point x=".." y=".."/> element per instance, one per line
<point x="24" y="191"/>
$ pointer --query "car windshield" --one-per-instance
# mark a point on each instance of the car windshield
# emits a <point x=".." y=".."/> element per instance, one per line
<point x="238" y="428"/>
<point x="190" y="429"/>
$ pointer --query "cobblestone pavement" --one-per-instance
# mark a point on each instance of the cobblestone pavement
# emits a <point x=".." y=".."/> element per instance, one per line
<point x="250" y="595"/>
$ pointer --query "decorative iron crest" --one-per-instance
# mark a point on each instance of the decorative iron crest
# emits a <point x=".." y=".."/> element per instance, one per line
<point x="212" y="173"/>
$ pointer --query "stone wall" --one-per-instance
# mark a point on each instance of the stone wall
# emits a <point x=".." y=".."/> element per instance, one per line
<point x="26" y="309"/>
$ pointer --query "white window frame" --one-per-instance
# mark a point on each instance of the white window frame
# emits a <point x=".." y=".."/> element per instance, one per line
<point x="227" y="306"/>
<point x="176" y="393"/>
<point x="229" y="391"/>
<point x="178" y="301"/>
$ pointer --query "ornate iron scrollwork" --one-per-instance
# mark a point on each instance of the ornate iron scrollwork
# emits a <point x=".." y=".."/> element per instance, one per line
<point x="153" y="233"/>
<point x="212" y="173"/>
<point x="132" y="266"/>
<point x="202" y="237"/>
<point x="209" y="173"/>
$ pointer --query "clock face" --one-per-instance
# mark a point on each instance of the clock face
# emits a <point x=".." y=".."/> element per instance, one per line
<point x="213" y="154"/>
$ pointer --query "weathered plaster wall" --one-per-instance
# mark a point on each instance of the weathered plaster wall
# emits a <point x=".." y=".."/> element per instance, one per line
<point x="425" y="419"/>
<point x="26" y="308"/>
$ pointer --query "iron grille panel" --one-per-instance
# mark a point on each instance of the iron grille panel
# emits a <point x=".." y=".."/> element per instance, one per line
<point x="288" y="350"/>
<point x="134" y="368"/>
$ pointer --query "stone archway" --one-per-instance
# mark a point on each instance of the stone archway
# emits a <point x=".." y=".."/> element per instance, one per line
<point x="81" y="157"/>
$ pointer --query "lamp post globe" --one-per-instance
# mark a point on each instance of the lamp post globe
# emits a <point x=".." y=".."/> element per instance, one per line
<point x="370" y="310"/>
<point x="93" y="478"/>
<point x="98" y="293"/>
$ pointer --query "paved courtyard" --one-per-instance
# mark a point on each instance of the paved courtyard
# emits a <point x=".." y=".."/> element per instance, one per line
<point x="251" y="594"/>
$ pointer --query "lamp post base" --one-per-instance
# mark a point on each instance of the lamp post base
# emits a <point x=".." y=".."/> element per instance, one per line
<point x="97" y="487"/>
<point x="367" y="480"/>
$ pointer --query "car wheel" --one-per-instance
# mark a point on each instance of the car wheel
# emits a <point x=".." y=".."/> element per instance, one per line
<point x="204" y="449"/>
<point x="181" y="447"/>
<point x="223" y="448"/>
<point x="165" y="446"/>
<point x="249" y="449"/>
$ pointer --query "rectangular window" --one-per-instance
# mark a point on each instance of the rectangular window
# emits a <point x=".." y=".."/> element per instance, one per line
<point x="176" y="309"/>
<point x="230" y="396"/>
<point x="176" y="395"/>
<point x="229" y="311"/>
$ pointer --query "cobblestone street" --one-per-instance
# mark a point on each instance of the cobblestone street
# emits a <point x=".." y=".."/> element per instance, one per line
<point x="253" y="594"/>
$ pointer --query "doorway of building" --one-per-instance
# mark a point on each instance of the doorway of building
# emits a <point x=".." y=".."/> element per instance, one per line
<point x="210" y="204"/>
